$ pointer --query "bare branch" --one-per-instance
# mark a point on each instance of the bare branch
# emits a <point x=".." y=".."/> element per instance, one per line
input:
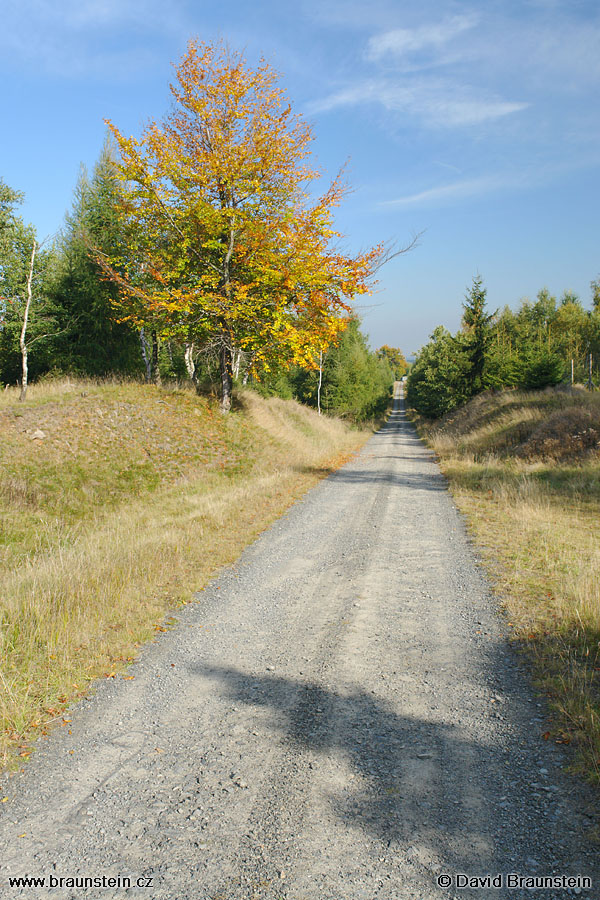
<point x="392" y="250"/>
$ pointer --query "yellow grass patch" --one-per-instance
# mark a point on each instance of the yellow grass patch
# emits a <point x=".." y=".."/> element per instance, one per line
<point x="127" y="504"/>
<point x="525" y="468"/>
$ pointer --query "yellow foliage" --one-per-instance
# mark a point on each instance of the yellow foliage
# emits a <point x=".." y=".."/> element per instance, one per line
<point x="222" y="244"/>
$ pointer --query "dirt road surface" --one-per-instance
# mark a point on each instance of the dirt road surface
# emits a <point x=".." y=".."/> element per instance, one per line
<point x="340" y="715"/>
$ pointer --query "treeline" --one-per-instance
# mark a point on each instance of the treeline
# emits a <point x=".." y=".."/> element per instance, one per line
<point x="73" y="328"/>
<point x="541" y="344"/>
<point x="70" y="327"/>
<point x="199" y="250"/>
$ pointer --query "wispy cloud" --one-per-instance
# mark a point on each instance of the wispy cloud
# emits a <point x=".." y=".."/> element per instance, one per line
<point x="107" y="38"/>
<point x="525" y="177"/>
<point x="433" y="101"/>
<point x="470" y="187"/>
<point x="400" y="41"/>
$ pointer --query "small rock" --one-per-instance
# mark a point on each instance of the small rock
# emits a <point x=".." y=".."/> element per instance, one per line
<point x="38" y="435"/>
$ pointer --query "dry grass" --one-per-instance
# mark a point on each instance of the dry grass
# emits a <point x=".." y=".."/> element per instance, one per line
<point x="126" y="506"/>
<point x="525" y="468"/>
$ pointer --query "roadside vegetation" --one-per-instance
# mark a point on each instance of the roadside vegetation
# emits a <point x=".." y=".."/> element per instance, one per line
<point x="544" y="343"/>
<point x="204" y="249"/>
<point x="198" y="273"/>
<point x="525" y="469"/>
<point x="117" y="502"/>
<point x="503" y="403"/>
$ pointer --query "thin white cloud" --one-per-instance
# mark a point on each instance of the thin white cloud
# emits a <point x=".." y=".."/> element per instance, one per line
<point x="450" y="112"/>
<point x="364" y="92"/>
<point x="522" y="178"/>
<point x="400" y="41"/>
<point x="471" y="187"/>
<point x="445" y="165"/>
<point x="88" y="36"/>
<point x="434" y="102"/>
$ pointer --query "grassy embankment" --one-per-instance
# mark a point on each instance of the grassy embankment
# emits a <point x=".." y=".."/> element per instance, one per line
<point x="117" y="502"/>
<point x="525" y="468"/>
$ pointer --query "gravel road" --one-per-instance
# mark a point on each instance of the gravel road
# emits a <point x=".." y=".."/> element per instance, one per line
<point x="340" y="715"/>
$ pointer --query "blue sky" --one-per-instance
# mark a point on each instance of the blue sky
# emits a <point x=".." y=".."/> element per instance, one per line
<point x="475" y="123"/>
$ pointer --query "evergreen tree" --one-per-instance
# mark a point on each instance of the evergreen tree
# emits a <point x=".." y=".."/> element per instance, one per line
<point x="595" y="286"/>
<point x="439" y="380"/>
<point x="543" y="368"/>
<point x="91" y="341"/>
<point x="355" y="382"/>
<point x="503" y="361"/>
<point x="476" y="325"/>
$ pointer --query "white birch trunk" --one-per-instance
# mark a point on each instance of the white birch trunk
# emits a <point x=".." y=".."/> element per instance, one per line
<point x="22" y="339"/>
<point x="235" y="365"/>
<point x="190" y="365"/>
<point x="320" y="381"/>
<point x="145" y="355"/>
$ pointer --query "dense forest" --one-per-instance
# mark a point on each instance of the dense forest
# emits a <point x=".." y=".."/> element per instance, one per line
<point x="543" y="343"/>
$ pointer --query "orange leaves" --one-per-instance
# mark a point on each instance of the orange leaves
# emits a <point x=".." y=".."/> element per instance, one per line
<point x="223" y="246"/>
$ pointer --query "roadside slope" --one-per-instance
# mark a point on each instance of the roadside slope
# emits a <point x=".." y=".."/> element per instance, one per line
<point x="525" y="469"/>
<point x="117" y="501"/>
<point x="339" y="716"/>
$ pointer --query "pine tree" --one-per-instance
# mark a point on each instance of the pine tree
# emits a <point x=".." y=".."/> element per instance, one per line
<point x="91" y="340"/>
<point x="438" y="380"/>
<point x="476" y="326"/>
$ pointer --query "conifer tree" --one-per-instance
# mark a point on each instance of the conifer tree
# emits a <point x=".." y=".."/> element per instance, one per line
<point x="91" y="340"/>
<point x="476" y="325"/>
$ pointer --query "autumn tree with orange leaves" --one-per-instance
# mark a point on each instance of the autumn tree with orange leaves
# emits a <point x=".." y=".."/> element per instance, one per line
<point x="225" y="247"/>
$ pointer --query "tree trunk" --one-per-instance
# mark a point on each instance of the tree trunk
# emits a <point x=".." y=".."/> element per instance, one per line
<point x="170" y="352"/>
<point x="145" y="356"/>
<point x="320" y="381"/>
<point x="22" y="338"/>
<point x="190" y="364"/>
<point x="236" y="363"/>
<point x="226" y="379"/>
<point x="155" y="370"/>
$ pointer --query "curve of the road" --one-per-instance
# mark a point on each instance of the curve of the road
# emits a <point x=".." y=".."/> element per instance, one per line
<point x="340" y="715"/>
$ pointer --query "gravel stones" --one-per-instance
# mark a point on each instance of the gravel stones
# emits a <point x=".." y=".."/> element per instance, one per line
<point x="405" y="750"/>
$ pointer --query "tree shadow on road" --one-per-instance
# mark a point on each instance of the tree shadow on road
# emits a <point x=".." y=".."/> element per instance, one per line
<point x="410" y="782"/>
<point x="434" y="481"/>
